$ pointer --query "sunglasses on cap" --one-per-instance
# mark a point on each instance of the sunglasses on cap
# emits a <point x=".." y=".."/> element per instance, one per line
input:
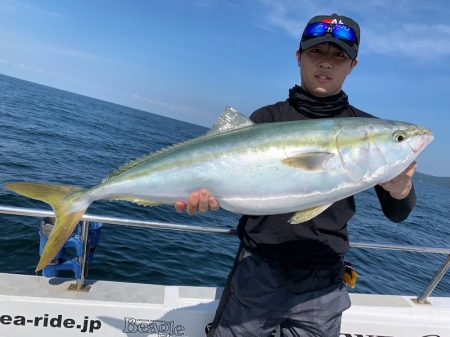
<point x="339" y="31"/>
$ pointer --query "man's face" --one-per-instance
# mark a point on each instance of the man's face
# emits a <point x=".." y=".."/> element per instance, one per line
<point x="323" y="69"/>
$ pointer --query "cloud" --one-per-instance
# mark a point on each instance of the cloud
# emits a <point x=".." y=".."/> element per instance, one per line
<point x="279" y="14"/>
<point x="26" y="45"/>
<point x="14" y="5"/>
<point x="203" y="3"/>
<point x="77" y="54"/>
<point x="177" y="108"/>
<point x="397" y="28"/>
<point x="415" y="40"/>
<point x="24" y="67"/>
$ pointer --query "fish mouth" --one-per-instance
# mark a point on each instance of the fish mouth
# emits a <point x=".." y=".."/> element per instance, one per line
<point x="426" y="138"/>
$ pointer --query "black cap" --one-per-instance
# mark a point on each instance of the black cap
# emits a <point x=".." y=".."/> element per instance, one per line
<point x="351" y="48"/>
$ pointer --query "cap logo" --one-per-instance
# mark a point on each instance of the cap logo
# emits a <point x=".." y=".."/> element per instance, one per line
<point x="333" y="21"/>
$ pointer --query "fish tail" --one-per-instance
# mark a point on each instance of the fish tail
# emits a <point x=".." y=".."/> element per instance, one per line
<point x="68" y="204"/>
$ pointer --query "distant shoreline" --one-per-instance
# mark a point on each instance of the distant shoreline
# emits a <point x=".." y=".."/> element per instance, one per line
<point x="432" y="180"/>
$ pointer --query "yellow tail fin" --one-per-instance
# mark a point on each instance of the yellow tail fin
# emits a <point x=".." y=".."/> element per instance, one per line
<point x="68" y="205"/>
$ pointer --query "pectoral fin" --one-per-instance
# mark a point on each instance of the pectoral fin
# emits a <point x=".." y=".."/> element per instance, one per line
<point x="307" y="214"/>
<point x="312" y="161"/>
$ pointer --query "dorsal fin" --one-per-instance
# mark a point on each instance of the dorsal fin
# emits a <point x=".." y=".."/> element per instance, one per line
<point x="230" y="119"/>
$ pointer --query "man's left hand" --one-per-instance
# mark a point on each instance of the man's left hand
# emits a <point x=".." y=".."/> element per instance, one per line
<point x="400" y="186"/>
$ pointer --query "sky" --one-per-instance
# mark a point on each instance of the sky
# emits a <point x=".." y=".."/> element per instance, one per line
<point x="189" y="59"/>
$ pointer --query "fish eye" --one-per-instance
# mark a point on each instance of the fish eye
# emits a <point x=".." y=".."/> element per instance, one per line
<point x="399" y="136"/>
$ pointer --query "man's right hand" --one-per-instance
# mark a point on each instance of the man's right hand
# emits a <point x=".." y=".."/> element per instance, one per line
<point x="198" y="201"/>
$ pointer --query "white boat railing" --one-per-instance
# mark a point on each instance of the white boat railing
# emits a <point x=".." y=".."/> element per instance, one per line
<point x="422" y="299"/>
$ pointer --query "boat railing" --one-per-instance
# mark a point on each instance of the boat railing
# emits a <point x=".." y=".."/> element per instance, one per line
<point x="87" y="218"/>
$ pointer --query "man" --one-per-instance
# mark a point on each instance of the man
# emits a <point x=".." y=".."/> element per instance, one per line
<point x="291" y="275"/>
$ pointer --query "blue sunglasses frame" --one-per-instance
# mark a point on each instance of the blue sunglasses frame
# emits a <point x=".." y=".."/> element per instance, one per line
<point x="340" y="31"/>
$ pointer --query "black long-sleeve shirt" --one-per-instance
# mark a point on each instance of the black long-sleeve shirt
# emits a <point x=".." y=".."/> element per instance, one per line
<point x="322" y="240"/>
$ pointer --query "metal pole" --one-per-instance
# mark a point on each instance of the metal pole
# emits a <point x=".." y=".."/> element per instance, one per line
<point x="203" y="229"/>
<point x="434" y="281"/>
<point x="210" y="230"/>
<point x="83" y="257"/>
<point x="122" y="222"/>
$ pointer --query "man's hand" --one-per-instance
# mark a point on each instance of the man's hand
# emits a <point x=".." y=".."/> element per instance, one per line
<point x="200" y="201"/>
<point x="400" y="186"/>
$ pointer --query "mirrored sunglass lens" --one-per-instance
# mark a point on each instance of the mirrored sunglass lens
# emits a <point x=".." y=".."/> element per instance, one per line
<point x="316" y="29"/>
<point x="344" y="32"/>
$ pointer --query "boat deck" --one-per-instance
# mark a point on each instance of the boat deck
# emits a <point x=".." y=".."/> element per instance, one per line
<point x="38" y="306"/>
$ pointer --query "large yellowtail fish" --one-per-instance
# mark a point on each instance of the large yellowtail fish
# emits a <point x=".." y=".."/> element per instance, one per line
<point x="300" y="166"/>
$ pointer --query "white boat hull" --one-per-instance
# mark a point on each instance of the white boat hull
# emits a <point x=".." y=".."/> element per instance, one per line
<point x="36" y="306"/>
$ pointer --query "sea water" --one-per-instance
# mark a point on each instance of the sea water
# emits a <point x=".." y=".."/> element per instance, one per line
<point x="56" y="136"/>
